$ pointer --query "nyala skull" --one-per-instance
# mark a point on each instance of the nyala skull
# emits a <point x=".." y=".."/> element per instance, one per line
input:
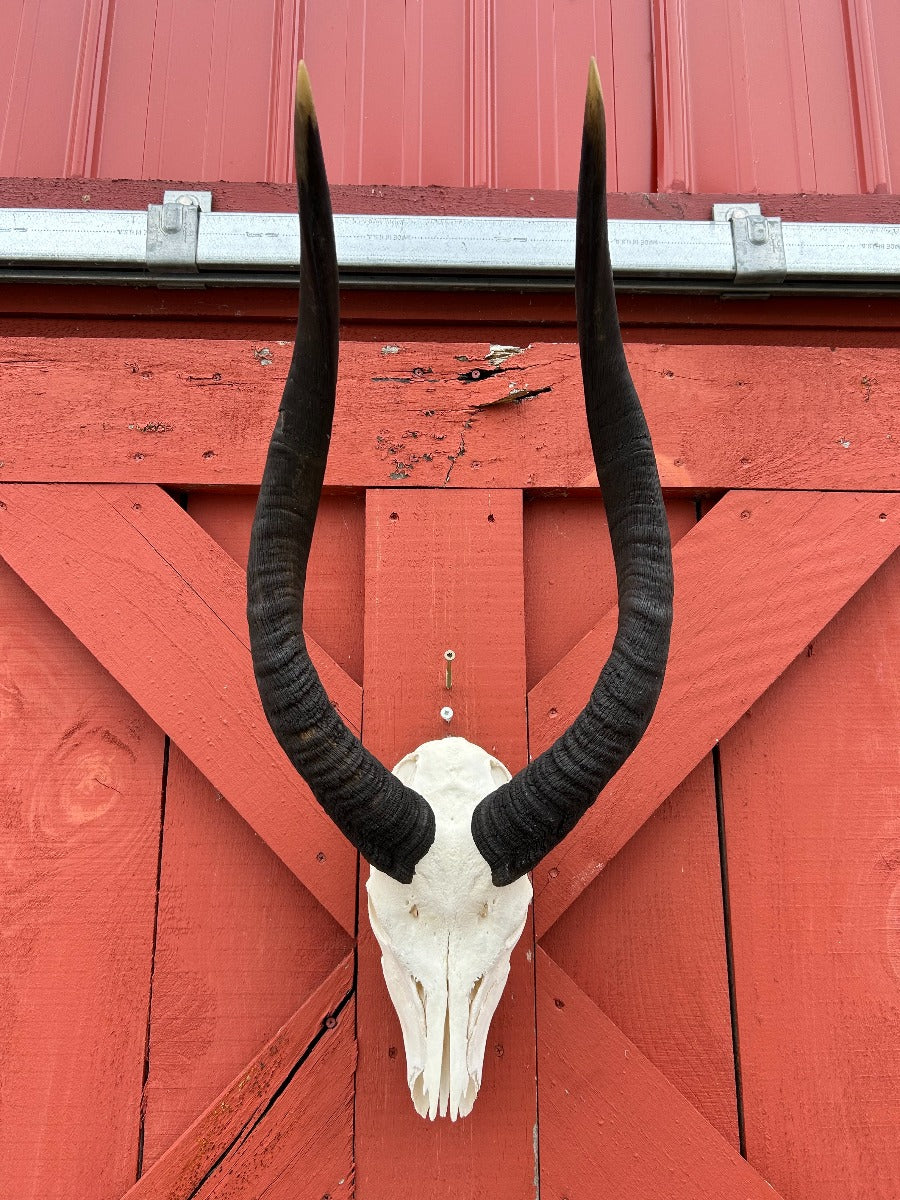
<point x="446" y="937"/>
<point x="450" y="836"/>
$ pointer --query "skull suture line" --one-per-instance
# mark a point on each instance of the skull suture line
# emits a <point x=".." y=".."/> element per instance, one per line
<point x="449" y="835"/>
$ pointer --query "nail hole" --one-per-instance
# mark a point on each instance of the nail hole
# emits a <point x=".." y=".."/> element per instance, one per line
<point x="136" y="507"/>
<point x="553" y="873"/>
<point x="209" y="454"/>
<point x="320" y="857"/>
<point x="882" y="516"/>
<point x="745" y="514"/>
<point x="392" y="1051"/>
<point x="559" y="1003"/>
<point x="491" y="518"/>
<point x="395" y="516"/>
<point x="330" y="1022"/>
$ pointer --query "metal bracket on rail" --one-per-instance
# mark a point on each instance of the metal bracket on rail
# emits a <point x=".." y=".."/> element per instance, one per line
<point x="758" y="243"/>
<point x="173" y="232"/>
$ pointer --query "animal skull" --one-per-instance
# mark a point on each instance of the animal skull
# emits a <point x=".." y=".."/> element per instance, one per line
<point x="449" y="835"/>
<point x="446" y="938"/>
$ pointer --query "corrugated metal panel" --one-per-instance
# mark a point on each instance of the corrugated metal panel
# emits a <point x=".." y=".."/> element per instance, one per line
<point x="735" y="96"/>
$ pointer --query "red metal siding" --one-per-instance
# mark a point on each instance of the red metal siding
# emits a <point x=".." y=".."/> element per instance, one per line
<point x="704" y="95"/>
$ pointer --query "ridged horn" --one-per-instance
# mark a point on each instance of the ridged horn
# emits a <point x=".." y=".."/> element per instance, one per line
<point x="391" y="825"/>
<point x="517" y="825"/>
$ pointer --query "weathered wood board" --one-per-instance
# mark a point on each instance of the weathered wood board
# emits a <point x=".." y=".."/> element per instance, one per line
<point x="285" y="1121"/>
<point x="646" y="939"/>
<point x="445" y="572"/>
<point x="81" y="773"/>
<point x="199" y="412"/>
<point x="811" y="792"/>
<point x="240" y="942"/>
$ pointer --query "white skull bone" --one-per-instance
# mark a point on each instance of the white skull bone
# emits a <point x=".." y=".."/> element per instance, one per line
<point x="446" y="938"/>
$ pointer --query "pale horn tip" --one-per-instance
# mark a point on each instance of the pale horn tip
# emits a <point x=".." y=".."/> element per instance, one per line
<point x="304" y="118"/>
<point x="594" y="111"/>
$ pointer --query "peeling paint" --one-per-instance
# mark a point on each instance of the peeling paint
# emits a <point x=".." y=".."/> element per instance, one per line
<point x="152" y="427"/>
<point x="537" y="1163"/>
<point x="499" y="354"/>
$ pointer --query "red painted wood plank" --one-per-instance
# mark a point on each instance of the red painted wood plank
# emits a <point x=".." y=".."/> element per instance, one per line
<point x="646" y="939"/>
<point x="610" y="1123"/>
<point x="80" y="781"/>
<point x="334" y="602"/>
<point x="162" y="607"/>
<point x="570" y="580"/>
<point x="810" y="782"/>
<point x="286" y="1117"/>
<point x="240" y="943"/>
<point x="445" y="572"/>
<point x="646" y="942"/>
<point x="754" y="583"/>
<point x="198" y="412"/>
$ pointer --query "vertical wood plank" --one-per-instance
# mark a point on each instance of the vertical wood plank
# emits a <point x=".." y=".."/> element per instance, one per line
<point x="241" y="943"/>
<point x="80" y="781"/>
<point x="444" y="571"/>
<point x="646" y="940"/>
<point x="811" y="779"/>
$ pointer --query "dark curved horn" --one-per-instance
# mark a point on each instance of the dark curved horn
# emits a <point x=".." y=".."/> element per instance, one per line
<point x="389" y="824"/>
<point x="515" y="826"/>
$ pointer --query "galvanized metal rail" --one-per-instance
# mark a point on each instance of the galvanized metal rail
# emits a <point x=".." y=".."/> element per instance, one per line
<point x="182" y="243"/>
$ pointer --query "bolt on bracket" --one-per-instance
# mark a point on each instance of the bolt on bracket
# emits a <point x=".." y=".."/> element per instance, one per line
<point x="173" y="232"/>
<point x="758" y="243"/>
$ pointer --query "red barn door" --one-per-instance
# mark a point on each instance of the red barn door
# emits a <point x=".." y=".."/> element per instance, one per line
<point x="709" y="968"/>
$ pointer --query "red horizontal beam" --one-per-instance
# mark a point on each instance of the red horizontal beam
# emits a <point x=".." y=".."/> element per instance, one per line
<point x="755" y="581"/>
<point x="90" y="194"/>
<point x="197" y="412"/>
<point x="424" y="316"/>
